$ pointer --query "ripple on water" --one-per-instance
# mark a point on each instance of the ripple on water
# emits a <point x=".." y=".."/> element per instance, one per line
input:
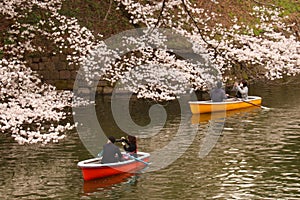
<point x="257" y="157"/>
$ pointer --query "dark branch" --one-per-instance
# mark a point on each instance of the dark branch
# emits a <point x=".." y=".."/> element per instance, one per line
<point x="160" y="14"/>
<point x="108" y="11"/>
<point x="199" y="30"/>
<point x="266" y="4"/>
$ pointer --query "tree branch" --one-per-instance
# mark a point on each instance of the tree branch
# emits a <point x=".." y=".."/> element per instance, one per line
<point x="266" y="4"/>
<point x="108" y="11"/>
<point x="199" y="30"/>
<point x="160" y="14"/>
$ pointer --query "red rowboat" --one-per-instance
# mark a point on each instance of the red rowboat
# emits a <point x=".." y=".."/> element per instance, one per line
<point x="107" y="182"/>
<point x="93" y="169"/>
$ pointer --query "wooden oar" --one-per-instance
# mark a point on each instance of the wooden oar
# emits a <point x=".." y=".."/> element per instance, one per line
<point x="137" y="159"/>
<point x="263" y="107"/>
<point x="132" y="157"/>
<point x="100" y="154"/>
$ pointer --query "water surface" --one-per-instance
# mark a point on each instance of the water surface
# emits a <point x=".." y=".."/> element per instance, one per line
<point x="256" y="156"/>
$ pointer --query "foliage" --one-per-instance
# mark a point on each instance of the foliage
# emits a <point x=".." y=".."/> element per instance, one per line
<point x="148" y="65"/>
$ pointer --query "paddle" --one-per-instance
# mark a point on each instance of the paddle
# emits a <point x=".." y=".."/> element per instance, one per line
<point x="263" y="107"/>
<point x="100" y="154"/>
<point x="260" y="106"/>
<point x="137" y="159"/>
<point x="132" y="157"/>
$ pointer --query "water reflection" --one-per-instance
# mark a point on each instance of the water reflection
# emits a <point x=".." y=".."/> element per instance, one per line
<point x="166" y="140"/>
<point x="205" y="117"/>
<point x="34" y="172"/>
<point x="215" y="126"/>
<point x="109" y="182"/>
<point x="256" y="157"/>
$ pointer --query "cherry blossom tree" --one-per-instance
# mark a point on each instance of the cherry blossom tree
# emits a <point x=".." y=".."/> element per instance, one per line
<point x="229" y="46"/>
<point x="32" y="111"/>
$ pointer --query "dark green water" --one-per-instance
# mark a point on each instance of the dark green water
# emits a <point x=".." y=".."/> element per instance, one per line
<point x="257" y="157"/>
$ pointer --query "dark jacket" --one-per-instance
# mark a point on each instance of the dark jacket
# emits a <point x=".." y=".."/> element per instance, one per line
<point x="130" y="148"/>
<point x="218" y="95"/>
<point x="111" y="153"/>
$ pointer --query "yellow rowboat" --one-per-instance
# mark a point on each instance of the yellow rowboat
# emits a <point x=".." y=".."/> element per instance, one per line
<point x="198" y="107"/>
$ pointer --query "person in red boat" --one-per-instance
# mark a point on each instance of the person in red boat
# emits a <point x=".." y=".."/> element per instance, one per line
<point x="130" y="145"/>
<point x="111" y="153"/>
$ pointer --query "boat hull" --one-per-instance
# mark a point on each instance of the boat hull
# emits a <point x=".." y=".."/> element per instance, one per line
<point x="205" y="117"/>
<point x="94" y="185"/>
<point x="198" y="107"/>
<point x="93" y="170"/>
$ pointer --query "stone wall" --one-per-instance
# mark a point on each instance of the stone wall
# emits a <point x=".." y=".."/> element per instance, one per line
<point x="56" y="71"/>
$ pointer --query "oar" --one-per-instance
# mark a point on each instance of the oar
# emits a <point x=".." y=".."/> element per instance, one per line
<point x="263" y="107"/>
<point x="260" y="106"/>
<point x="254" y="104"/>
<point x="137" y="159"/>
<point x="100" y="154"/>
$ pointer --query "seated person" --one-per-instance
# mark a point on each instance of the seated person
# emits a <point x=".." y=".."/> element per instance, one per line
<point x="129" y="145"/>
<point x="218" y="94"/>
<point x="111" y="153"/>
<point x="241" y="89"/>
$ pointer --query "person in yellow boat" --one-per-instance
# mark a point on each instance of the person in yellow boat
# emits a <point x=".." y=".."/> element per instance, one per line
<point x="241" y="89"/>
<point x="218" y="94"/>
<point x="111" y="153"/>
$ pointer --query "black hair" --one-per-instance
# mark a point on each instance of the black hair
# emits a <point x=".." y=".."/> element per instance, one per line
<point x="112" y="139"/>
<point x="132" y="139"/>
<point x="244" y="83"/>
